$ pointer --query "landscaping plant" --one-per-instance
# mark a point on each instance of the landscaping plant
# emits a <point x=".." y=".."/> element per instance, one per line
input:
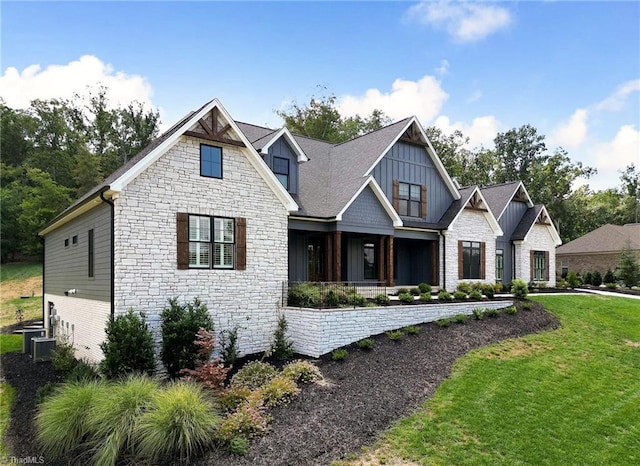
<point x="248" y="421"/>
<point x="459" y="295"/>
<point x="382" y="299"/>
<point x="572" y="280"/>
<point x="412" y="330"/>
<point x="231" y="398"/>
<point x="459" y="318"/>
<point x="254" y="375"/>
<point x="415" y="291"/>
<point x="596" y="278"/>
<point x="63" y="356"/>
<point x="445" y="296"/>
<point x="395" y="335"/>
<point x="519" y="289"/>
<point x="303" y="295"/>
<point x="278" y="391"/>
<point x="424" y="288"/>
<point x="210" y="373"/>
<point x="425" y="297"/>
<point x="609" y="277"/>
<point x="302" y="371"/>
<point x="628" y="268"/>
<point x="475" y="294"/>
<point x="365" y="343"/>
<point x="478" y="313"/>
<point x="229" y="351"/>
<point x="282" y="346"/>
<point x="406" y="298"/>
<point x="339" y="354"/>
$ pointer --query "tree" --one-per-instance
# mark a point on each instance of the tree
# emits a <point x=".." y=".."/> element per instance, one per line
<point x="628" y="268"/>
<point x="630" y="190"/>
<point x="518" y="151"/>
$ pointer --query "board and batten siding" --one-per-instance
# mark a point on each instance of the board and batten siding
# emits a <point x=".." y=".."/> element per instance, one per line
<point x="410" y="163"/>
<point x="67" y="268"/>
<point x="281" y="148"/>
<point x="366" y="215"/>
<point x="511" y="217"/>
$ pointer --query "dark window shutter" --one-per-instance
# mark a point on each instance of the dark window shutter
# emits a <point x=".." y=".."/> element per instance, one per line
<point x="546" y="265"/>
<point x="182" y="237"/>
<point x="483" y="260"/>
<point x="531" y="265"/>
<point x="460" y="261"/>
<point x="396" y="195"/>
<point x="241" y="243"/>
<point x="423" y="201"/>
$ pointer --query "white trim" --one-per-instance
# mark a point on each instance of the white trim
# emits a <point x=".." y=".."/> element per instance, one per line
<point x="78" y="211"/>
<point x="311" y="219"/>
<point x="302" y="157"/>
<point x="552" y="229"/>
<point x="488" y="214"/>
<point x="375" y="187"/>
<point x="425" y="230"/>
<point x="252" y="155"/>
<point x="529" y="201"/>
<point x="434" y="157"/>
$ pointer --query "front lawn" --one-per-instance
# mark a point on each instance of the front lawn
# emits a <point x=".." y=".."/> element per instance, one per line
<point x="569" y="396"/>
<point x="18" y="280"/>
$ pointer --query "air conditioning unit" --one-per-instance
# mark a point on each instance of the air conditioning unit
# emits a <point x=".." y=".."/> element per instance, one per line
<point x="42" y="348"/>
<point x="27" y="335"/>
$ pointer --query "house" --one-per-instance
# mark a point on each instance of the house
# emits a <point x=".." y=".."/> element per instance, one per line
<point x="231" y="212"/>
<point x="598" y="250"/>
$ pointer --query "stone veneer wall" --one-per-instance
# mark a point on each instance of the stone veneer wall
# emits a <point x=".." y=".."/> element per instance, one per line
<point x="538" y="239"/>
<point x="315" y="332"/>
<point x="146" y="273"/>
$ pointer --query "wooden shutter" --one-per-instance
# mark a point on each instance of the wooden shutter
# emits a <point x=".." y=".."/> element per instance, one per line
<point x="531" y="265"/>
<point x="241" y="243"/>
<point x="182" y="240"/>
<point x="483" y="260"/>
<point x="396" y="195"/>
<point x="546" y="265"/>
<point x="423" y="201"/>
<point x="460" y="261"/>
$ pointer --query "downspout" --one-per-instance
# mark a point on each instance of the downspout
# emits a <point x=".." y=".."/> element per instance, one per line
<point x="43" y="278"/>
<point x="113" y="249"/>
<point x="444" y="261"/>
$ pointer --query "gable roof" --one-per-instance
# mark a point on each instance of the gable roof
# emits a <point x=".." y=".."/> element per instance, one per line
<point x="607" y="238"/>
<point x="529" y="219"/>
<point x="500" y="195"/>
<point x="457" y="207"/>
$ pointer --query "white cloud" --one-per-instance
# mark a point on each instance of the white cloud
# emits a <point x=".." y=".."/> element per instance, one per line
<point x="18" y="89"/>
<point x="465" y="21"/>
<point x="423" y="98"/>
<point x="477" y="95"/>
<point x="571" y="133"/>
<point x="481" y="132"/>
<point x="623" y="150"/>
<point x="617" y="100"/>
<point x="443" y="68"/>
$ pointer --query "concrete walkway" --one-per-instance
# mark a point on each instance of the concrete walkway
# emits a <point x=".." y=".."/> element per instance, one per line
<point x="611" y="293"/>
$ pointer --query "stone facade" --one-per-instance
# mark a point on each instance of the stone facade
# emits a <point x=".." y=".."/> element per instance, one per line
<point x="146" y="251"/>
<point x="538" y="239"/>
<point x="315" y="332"/>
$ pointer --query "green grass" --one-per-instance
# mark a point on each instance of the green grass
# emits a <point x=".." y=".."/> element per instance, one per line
<point x="7" y="397"/>
<point x="569" y="396"/>
<point x="19" y="271"/>
<point x="10" y="343"/>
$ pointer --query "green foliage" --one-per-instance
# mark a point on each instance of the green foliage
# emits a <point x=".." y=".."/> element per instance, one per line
<point x="415" y="291"/>
<point x="83" y="372"/>
<point x="238" y="446"/>
<point x="357" y="300"/>
<point x="231" y="398"/>
<point x="475" y="294"/>
<point x="402" y="291"/>
<point x="7" y="399"/>
<point x="459" y="295"/>
<point x="10" y="343"/>
<point x="425" y="297"/>
<point x="445" y="296"/>
<point x="587" y="279"/>
<point x="572" y="280"/>
<point x="628" y="267"/>
<point x="248" y="421"/>
<point x="332" y="298"/>
<point x="301" y="371"/>
<point x="229" y="351"/>
<point x="596" y="278"/>
<point x="20" y="271"/>
<point x="303" y="295"/>
<point x="278" y="391"/>
<point x="180" y="324"/>
<point x="519" y="289"/>
<point x="63" y="357"/>
<point x="254" y="375"/>
<point x="395" y="334"/>
<point x="382" y="299"/>
<point x="45" y="391"/>
<point x="180" y="424"/>
<point x="443" y="322"/>
<point x="406" y="298"/>
<point x="492" y="312"/>
<point x="365" y="343"/>
<point x="498" y="287"/>
<point x="128" y="346"/>
<point x="412" y="330"/>
<point x="459" y="318"/>
<point x="464" y="287"/>
<point x="526" y="305"/>
<point x="511" y="310"/>
<point x="489" y="291"/>
<point x="609" y="277"/>
<point x="282" y="346"/>
<point x="339" y="354"/>
<point x="424" y="288"/>
<point x="478" y="313"/>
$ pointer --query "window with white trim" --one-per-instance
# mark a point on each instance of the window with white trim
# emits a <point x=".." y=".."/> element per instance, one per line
<point x="211" y="242"/>
<point x="281" y="170"/>
<point x="539" y="266"/>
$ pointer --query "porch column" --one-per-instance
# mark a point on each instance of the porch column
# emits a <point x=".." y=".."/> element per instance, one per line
<point x="381" y="259"/>
<point x="329" y="257"/>
<point x="389" y="257"/>
<point x="337" y="256"/>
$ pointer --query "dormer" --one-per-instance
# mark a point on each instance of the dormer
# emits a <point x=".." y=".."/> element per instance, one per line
<point x="283" y="155"/>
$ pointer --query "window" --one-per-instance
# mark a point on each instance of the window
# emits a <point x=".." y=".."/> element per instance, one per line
<point x="471" y="259"/>
<point x="74" y="240"/>
<point x="66" y="242"/>
<point x="564" y="268"/>
<point x="539" y="266"/>
<point x="90" y="255"/>
<point x="499" y="265"/>
<point x="210" y="161"/>
<point x="370" y="272"/>
<point x="211" y="242"/>
<point x="281" y="170"/>
<point x="409" y="203"/>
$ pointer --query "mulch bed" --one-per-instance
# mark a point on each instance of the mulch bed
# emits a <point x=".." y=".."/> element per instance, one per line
<point x="365" y="394"/>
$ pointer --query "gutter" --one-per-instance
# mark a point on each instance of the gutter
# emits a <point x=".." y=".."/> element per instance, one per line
<point x="444" y="261"/>
<point x="43" y="279"/>
<point x="113" y="249"/>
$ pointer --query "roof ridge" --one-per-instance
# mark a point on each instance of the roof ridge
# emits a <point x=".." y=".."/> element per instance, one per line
<point x="257" y="126"/>
<point x="374" y="131"/>
<point x="500" y="184"/>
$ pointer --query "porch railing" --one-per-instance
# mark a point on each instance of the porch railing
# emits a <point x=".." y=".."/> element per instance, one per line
<point x="327" y="295"/>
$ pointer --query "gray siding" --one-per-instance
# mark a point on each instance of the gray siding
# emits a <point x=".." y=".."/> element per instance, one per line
<point x="355" y="259"/>
<point x="411" y="164"/>
<point x="281" y="148"/>
<point x="508" y="260"/>
<point x="67" y="268"/>
<point x="366" y="215"/>
<point x="511" y="217"/>
<point x="413" y="262"/>
<point x="298" y="258"/>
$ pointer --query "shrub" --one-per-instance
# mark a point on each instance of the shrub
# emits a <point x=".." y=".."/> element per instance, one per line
<point x="63" y="356"/>
<point x="128" y="346"/>
<point x="357" y="300"/>
<point x="231" y="398"/>
<point x="505" y="287"/>
<point x="415" y="291"/>
<point x="402" y="291"/>
<point x="424" y="288"/>
<point x="459" y="295"/>
<point x="238" y="446"/>
<point x="609" y="277"/>
<point x="332" y="298"/>
<point x="254" y="375"/>
<point x="229" y="352"/>
<point x="475" y="294"/>
<point x="572" y="280"/>
<point x="179" y="424"/>
<point x="365" y="343"/>
<point x="248" y="421"/>
<point x="395" y="334"/>
<point x="45" y="391"/>
<point x="526" y="305"/>
<point x="478" y="313"/>
<point x="406" y="298"/>
<point x="611" y="286"/>
<point x="304" y="295"/>
<point x="210" y="373"/>
<point x="83" y="372"/>
<point x="596" y="278"/>
<point x="532" y="285"/>
<point x="491" y="312"/>
<point x="519" y="289"/>
<point x="412" y="330"/>
<point x="587" y="279"/>
<point x="180" y="323"/>
<point x="511" y="310"/>
<point x="114" y="415"/>
<point x="459" y="318"/>
<point x="444" y="295"/>
<point x="61" y="422"/>
<point x="489" y="291"/>
<point x="443" y="322"/>
<point x="541" y="285"/>
<point x="425" y="297"/>
<point x="339" y="354"/>
<point x="464" y="287"/>
<point x="282" y="346"/>
<point x="279" y="390"/>
<point x="301" y="371"/>
<point x="628" y="268"/>
<point x="382" y="299"/>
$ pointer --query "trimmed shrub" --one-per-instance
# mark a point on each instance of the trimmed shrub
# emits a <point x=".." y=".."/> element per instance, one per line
<point x="254" y="375"/>
<point x="464" y="287"/>
<point x="444" y="296"/>
<point x="303" y="295"/>
<point x="415" y="291"/>
<point x="365" y="343"/>
<point x="248" y="421"/>
<point x="282" y="346"/>
<point x="180" y="323"/>
<point x="339" y="354"/>
<point x="357" y="300"/>
<point x="572" y="280"/>
<point x="478" y="313"/>
<point x="459" y="318"/>
<point x="596" y="278"/>
<point x="511" y="310"/>
<point x="412" y="330"/>
<point x="519" y="289"/>
<point x="587" y="279"/>
<point x="395" y="334"/>
<point x="231" y="398"/>
<point x="382" y="299"/>
<point x="443" y="322"/>
<point x="229" y="352"/>
<point x="128" y="346"/>
<point x="180" y="424"/>
<point x="210" y="373"/>
<point x="332" y="298"/>
<point x="278" y="391"/>
<point x="238" y="446"/>
<point x="402" y="291"/>
<point x="475" y="294"/>
<point x="63" y="356"/>
<point x="425" y="297"/>
<point x="611" y="286"/>
<point x="301" y="371"/>
<point x="609" y="277"/>
<point x="489" y="291"/>
<point x="459" y="295"/>
<point x="424" y="288"/>
<point x="406" y="298"/>
<point x="562" y="284"/>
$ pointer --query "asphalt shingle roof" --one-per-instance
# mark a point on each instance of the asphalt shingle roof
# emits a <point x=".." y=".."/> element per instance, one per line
<point x="607" y="238"/>
<point x="456" y="206"/>
<point x="526" y="222"/>
<point x="498" y="196"/>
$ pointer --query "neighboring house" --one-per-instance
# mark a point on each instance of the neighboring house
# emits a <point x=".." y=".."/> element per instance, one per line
<point x="230" y="212"/>
<point x="598" y="250"/>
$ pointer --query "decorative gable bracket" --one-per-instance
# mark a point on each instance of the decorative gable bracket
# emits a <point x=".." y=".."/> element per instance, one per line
<point x="214" y="129"/>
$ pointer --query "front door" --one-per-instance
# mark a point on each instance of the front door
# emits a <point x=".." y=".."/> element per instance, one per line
<point x="316" y="259"/>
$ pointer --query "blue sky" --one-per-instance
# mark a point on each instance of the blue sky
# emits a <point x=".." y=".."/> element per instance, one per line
<point x="571" y="69"/>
